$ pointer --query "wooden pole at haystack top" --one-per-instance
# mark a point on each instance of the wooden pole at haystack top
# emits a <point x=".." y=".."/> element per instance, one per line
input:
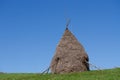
<point x="67" y="24"/>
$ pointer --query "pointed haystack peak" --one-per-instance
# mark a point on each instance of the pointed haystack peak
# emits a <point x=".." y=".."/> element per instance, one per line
<point x="70" y="55"/>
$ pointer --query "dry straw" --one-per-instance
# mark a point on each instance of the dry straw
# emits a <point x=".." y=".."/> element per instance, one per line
<point x="70" y="56"/>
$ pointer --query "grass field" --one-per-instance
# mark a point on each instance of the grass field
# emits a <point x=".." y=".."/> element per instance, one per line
<point x="110" y="74"/>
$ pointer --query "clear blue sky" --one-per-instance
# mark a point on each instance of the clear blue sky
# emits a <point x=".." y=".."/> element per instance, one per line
<point x="31" y="29"/>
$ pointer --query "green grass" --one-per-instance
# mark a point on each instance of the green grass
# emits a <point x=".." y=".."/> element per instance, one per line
<point x="110" y="74"/>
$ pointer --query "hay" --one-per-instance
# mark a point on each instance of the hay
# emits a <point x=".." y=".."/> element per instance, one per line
<point x="70" y="55"/>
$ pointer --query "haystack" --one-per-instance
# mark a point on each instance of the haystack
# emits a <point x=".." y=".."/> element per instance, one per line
<point x="70" y="55"/>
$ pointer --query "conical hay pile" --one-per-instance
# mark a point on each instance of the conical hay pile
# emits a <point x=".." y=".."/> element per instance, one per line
<point x="70" y="55"/>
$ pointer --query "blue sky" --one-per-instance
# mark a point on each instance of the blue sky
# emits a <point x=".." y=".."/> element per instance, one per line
<point x="31" y="29"/>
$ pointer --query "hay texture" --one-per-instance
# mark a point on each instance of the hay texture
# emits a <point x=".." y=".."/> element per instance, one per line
<point x="70" y="56"/>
